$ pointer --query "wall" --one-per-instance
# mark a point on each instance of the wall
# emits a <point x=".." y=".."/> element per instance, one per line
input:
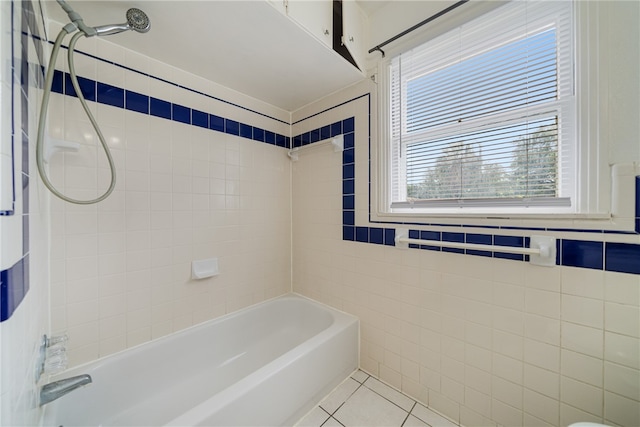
<point x="483" y="340"/>
<point x="24" y="223"/>
<point x="201" y="172"/>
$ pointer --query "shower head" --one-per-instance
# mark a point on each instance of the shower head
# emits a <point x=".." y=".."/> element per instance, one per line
<point x="137" y="20"/>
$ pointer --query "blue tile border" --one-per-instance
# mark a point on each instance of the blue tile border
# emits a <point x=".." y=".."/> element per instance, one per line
<point x="145" y="104"/>
<point x="616" y="257"/>
<point x="15" y="280"/>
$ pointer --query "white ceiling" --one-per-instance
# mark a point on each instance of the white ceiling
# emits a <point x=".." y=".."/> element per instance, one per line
<point x="247" y="46"/>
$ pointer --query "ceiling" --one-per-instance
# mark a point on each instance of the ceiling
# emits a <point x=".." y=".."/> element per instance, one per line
<point x="248" y="46"/>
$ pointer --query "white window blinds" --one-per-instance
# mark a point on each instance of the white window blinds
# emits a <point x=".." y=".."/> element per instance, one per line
<point x="483" y="115"/>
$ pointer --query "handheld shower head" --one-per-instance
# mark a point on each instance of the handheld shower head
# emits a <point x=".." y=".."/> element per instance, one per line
<point x="136" y="20"/>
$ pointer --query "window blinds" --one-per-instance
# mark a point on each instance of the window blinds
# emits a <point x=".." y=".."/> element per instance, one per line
<point x="485" y="112"/>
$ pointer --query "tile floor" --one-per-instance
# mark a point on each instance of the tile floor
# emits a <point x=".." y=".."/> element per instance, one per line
<point x="361" y="400"/>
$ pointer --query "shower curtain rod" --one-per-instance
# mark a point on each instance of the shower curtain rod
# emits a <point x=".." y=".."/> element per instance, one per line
<point x="407" y="31"/>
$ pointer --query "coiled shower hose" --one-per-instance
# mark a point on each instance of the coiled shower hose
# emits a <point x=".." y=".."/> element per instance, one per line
<point x="43" y="117"/>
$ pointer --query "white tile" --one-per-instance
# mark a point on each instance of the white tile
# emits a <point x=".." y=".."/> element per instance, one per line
<point x="339" y="395"/>
<point x="366" y="408"/>
<point x="507" y="392"/>
<point x="582" y="339"/>
<point x="582" y="367"/>
<point x="622" y="349"/>
<point x="622" y="380"/>
<point x="414" y="422"/>
<point x="430" y="417"/>
<point x="542" y="407"/>
<point x="622" y="319"/>
<point x="584" y="311"/>
<point x="620" y="410"/>
<point x="583" y="396"/>
<point x="542" y="381"/>
<point x="315" y="418"/>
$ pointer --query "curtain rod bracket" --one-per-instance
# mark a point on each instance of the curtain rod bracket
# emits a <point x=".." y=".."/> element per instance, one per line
<point x="378" y="48"/>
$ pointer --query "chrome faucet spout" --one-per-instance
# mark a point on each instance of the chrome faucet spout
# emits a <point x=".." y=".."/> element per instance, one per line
<point x="52" y="391"/>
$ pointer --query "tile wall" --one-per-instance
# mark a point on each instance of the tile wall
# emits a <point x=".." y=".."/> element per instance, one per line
<point x="483" y="338"/>
<point x="24" y="309"/>
<point x="201" y="172"/>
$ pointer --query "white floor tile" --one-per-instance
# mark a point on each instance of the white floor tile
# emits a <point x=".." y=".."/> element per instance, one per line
<point x="360" y="376"/>
<point x="393" y="395"/>
<point x="430" y="417"/>
<point x="414" y="422"/>
<point x="331" y="422"/>
<point x="315" y="418"/>
<point x="338" y="396"/>
<point x="366" y="408"/>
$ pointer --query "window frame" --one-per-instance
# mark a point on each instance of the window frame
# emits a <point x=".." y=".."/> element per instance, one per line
<point x="593" y="183"/>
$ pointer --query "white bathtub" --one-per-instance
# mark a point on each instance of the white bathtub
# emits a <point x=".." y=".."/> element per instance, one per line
<point x="266" y="365"/>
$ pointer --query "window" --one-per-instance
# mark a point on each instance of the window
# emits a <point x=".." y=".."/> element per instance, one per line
<point x="483" y="117"/>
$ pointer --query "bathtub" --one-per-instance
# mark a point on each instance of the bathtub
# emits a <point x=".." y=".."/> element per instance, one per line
<point x="266" y="365"/>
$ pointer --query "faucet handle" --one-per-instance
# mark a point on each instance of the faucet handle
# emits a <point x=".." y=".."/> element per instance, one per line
<point x="56" y="363"/>
<point x="58" y="339"/>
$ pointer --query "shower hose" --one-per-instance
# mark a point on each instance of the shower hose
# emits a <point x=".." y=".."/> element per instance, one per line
<point x="43" y="117"/>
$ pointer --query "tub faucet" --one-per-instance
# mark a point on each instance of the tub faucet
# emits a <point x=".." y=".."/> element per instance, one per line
<point x="52" y="391"/>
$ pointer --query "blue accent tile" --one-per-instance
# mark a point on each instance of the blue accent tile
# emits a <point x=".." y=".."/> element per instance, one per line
<point x="110" y="95"/>
<point x="181" y="114"/>
<point x="349" y="141"/>
<point x="414" y="234"/>
<point x="349" y="171"/>
<point x="348" y="156"/>
<point x="281" y="140"/>
<point x="314" y="136"/>
<point x="348" y="218"/>
<point x="336" y="129"/>
<point x="258" y="134"/>
<point x="348" y="202"/>
<point x="479" y="239"/>
<point x="582" y="253"/>
<point x="430" y="235"/>
<point x="136" y="102"/>
<point x="14" y="284"/>
<point x="362" y="234"/>
<point x="452" y="237"/>
<point x="200" y="119"/>
<point x="305" y="139"/>
<point x="297" y="141"/>
<point x="348" y="233"/>
<point x="325" y="132"/>
<point x="232" y="127"/>
<point x="160" y="108"/>
<point x="87" y="86"/>
<point x="270" y="137"/>
<point x="246" y="131"/>
<point x="216" y="123"/>
<point x="376" y="235"/>
<point x="622" y="257"/>
<point x="389" y="236"/>
<point x="504" y="255"/>
<point x="348" y="186"/>
<point x="57" y="85"/>
<point x="288" y="142"/>
<point x="348" y="125"/>
<point x="513" y="241"/>
<point x="637" y="204"/>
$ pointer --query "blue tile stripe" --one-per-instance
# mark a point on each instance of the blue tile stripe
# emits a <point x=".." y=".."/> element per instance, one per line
<point x="617" y="257"/>
<point x="107" y="94"/>
<point x="15" y="280"/>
